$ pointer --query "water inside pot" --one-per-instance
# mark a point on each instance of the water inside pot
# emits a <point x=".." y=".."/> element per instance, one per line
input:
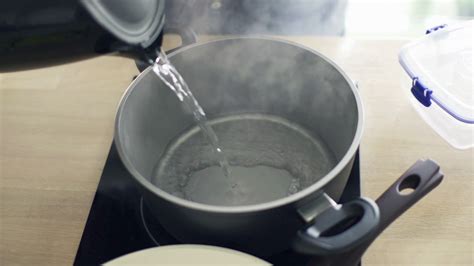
<point x="265" y="158"/>
<point x="269" y="157"/>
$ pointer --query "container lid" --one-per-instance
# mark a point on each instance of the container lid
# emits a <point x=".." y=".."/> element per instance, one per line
<point x="188" y="255"/>
<point x="440" y="65"/>
<point x="134" y="22"/>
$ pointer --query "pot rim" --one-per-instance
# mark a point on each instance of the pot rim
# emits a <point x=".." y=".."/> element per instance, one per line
<point x="246" y="208"/>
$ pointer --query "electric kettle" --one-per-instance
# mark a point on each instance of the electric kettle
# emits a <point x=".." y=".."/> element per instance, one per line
<point x="49" y="32"/>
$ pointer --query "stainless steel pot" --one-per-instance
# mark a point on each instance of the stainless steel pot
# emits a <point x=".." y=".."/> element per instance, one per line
<point x="251" y="75"/>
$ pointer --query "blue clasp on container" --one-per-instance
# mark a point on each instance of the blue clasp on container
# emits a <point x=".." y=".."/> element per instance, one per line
<point x="428" y="31"/>
<point x="425" y="97"/>
<point x="421" y="93"/>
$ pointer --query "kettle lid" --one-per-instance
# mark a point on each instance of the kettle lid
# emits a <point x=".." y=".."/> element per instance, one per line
<point x="137" y="22"/>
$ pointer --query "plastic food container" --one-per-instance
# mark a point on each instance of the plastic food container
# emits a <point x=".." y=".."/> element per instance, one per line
<point x="440" y="66"/>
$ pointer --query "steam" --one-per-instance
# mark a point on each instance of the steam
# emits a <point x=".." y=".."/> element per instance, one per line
<point x="261" y="76"/>
<point x="267" y="17"/>
<point x="266" y="76"/>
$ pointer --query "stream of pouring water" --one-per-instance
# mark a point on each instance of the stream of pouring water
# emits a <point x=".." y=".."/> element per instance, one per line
<point x="171" y="77"/>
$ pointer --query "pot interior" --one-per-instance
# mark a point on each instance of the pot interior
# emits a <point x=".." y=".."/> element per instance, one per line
<point x="270" y="158"/>
<point x="284" y="116"/>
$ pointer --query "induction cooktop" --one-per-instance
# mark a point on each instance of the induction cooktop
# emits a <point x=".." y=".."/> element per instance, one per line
<point x="119" y="223"/>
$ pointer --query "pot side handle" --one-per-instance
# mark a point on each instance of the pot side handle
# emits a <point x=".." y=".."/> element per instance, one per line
<point x="419" y="179"/>
<point x="413" y="185"/>
<point x="338" y="229"/>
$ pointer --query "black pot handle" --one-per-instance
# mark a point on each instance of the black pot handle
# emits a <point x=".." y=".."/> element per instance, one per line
<point x="338" y="229"/>
<point x="422" y="177"/>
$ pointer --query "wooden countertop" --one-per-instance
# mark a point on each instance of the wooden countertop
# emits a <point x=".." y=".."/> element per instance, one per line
<point x="57" y="126"/>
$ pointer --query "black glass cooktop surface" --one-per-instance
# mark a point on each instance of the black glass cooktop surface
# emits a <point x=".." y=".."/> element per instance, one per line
<point x="119" y="222"/>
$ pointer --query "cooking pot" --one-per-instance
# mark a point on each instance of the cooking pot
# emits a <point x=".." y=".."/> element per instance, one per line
<point x="255" y="76"/>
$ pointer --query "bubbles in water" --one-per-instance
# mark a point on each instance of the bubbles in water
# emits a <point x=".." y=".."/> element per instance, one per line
<point x="271" y="158"/>
<point x="256" y="184"/>
<point x="294" y="186"/>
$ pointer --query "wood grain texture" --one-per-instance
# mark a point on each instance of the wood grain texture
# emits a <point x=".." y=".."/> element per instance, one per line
<point x="57" y="126"/>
